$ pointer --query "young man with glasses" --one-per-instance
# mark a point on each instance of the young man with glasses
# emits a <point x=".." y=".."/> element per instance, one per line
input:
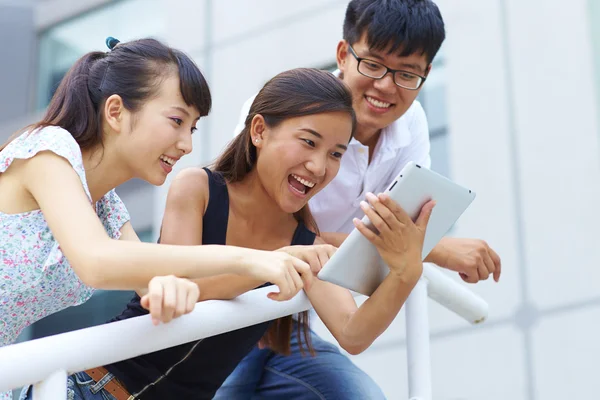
<point x="384" y="57"/>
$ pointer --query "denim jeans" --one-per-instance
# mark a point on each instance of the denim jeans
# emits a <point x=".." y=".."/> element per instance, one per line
<point x="329" y="375"/>
<point x="80" y="387"/>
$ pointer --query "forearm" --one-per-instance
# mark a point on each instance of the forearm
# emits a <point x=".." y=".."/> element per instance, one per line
<point x="333" y="238"/>
<point x="129" y="265"/>
<point x="225" y="287"/>
<point x="438" y="254"/>
<point x="357" y="329"/>
<point x="377" y="313"/>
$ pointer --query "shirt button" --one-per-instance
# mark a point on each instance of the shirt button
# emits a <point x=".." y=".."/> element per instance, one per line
<point x="361" y="151"/>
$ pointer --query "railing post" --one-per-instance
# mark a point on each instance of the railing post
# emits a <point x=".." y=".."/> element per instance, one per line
<point x="417" y="343"/>
<point x="52" y="388"/>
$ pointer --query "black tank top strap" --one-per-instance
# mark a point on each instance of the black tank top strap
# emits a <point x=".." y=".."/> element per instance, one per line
<point x="214" y="224"/>
<point x="303" y="235"/>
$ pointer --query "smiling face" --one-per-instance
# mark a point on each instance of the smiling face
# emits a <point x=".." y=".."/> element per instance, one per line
<point x="300" y="156"/>
<point x="378" y="102"/>
<point x="154" y="138"/>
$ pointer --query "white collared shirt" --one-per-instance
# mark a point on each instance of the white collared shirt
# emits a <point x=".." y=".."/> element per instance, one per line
<point x="406" y="139"/>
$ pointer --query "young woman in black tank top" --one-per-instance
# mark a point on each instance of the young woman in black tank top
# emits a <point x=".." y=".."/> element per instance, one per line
<point x="256" y="196"/>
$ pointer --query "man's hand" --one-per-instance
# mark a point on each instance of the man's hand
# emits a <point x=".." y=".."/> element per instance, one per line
<point x="473" y="259"/>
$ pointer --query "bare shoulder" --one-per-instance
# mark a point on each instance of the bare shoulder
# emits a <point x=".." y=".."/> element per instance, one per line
<point x="189" y="188"/>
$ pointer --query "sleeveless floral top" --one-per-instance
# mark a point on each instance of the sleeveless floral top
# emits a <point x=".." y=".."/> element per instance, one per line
<point x="36" y="279"/>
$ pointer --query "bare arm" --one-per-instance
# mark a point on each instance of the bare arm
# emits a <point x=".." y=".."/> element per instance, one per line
<point x="119" y="264"/>
<point x="333" y="238"/>
<point x="166" y="297"/>
<point x="399" y="242"/>
<point x="128" y="234"/>
<point x="182" y="225"/>
<point x="356" y="328"/>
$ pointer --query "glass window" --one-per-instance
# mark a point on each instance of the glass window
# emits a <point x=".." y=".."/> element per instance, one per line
<point x="61" y="45"/>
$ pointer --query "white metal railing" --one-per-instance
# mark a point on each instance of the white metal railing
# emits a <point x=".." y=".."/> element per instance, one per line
<point x="59" y="355"/>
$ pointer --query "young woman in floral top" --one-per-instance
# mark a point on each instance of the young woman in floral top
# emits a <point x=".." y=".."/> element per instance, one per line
<point x="128" y="113"/>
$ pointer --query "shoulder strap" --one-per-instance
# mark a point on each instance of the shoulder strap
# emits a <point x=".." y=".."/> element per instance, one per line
<point x="216" y="217"/>
<point x="303" y="235"/>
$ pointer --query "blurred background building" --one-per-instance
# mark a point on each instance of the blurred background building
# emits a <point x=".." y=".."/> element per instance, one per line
<point x="512" y="104"/>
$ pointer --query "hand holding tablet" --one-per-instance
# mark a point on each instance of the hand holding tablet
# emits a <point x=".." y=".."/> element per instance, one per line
<point x="358" y="266"/>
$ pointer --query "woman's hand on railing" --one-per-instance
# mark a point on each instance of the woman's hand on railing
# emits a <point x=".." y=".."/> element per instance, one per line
<point x="169" y="297"/>
<point x="316" y="256"/>
<point x="289" y="273"/>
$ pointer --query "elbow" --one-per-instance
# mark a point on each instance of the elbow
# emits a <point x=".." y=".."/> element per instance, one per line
<point x="354" y="345"/>
<point x="90" y="267"/>
<point x="354" y="348"/>
<point x="88" y="273"/>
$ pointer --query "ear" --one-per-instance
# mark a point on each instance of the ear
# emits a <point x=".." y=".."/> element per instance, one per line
<point x="341" y="55"/>
<point x="113" y="112"/>
<point x="257" y="130"/>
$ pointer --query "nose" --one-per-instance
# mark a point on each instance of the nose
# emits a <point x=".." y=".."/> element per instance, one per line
<point x="386" y="84"/>
<point x="185" y="143"/>
<point x="317" y="165"/>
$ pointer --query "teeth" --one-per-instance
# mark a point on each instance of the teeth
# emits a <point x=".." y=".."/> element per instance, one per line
<point x="168" y="160"/>
<point x="303" y="181"/>
<point x="378" y="103"/>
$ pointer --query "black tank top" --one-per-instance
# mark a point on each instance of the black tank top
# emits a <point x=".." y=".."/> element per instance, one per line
<point x="208" y="362"/>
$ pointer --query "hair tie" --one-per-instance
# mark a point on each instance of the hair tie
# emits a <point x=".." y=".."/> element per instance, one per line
<point x="111" y="42"/>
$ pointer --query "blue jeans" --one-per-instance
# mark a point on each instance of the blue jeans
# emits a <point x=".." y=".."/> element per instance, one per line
<point x="329" y="375"/>
<point x="80" y="387"/>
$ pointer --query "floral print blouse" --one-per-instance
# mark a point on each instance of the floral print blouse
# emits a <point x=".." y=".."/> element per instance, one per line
<point x="36" y="279"/>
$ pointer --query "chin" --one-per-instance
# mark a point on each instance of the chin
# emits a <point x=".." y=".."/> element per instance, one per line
<point x="157" y="180"/>
<point x="297" y="207"/>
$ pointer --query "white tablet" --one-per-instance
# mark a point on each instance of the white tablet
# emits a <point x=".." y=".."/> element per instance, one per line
<point x="357" y="266"/>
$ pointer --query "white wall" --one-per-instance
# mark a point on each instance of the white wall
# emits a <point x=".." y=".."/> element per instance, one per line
<point x="523" y="132"/>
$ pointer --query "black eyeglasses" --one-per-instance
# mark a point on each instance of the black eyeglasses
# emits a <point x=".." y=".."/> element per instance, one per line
<point x="376" y="70"/>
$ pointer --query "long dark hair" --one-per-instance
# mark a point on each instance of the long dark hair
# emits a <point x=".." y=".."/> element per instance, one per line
<point x="132" y="70"/>
<point x="294" y="93"/>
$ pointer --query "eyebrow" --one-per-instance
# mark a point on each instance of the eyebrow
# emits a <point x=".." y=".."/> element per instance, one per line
<point x="416" y="67"/>
<point x="183" y="110"/>
<point x="317" y="134"/>
<point x="186" y="112"/>
<point x="413" y="66"/>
